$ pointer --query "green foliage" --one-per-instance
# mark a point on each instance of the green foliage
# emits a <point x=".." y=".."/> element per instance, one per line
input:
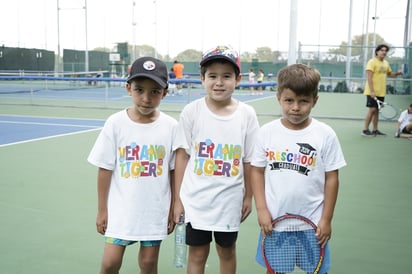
<point x="358" y="44"/>
<point x="189" y="55"/>
<point x="262" y="54"/>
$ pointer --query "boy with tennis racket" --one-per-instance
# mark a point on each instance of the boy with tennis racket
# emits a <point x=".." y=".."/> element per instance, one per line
<point x="214" y="147"/>
<point x="295" y="172"/>
<point x="135" y="163"/>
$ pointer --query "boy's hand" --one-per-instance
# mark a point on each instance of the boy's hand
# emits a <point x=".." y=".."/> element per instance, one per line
<point x="101" y="222"/>
<point x="246" y="208"/>
<point x="324" y="232"/>
<point x="265" y="221"/>
<point x="178" y="211"/>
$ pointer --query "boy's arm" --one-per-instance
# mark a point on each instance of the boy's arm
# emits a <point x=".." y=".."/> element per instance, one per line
<point x="104" y="177"/>
<point x="402" y="117"/>
<point x="171" y="223"/>
<point x="180" y="166"/>
<point x="324" y="231"/>
<point x="247" y="198"/>
<point x="398" y="127"/>
<point x="258" y="189"/>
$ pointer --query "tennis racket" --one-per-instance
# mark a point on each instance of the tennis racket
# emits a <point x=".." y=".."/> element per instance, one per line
<point x="386" y="110"/>
<point x="292" y="246"/>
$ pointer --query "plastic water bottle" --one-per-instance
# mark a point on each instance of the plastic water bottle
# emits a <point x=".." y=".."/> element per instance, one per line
<point x="180" y="244"/>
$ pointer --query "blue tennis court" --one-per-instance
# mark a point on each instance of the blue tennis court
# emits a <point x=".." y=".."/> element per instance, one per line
<point x="17" y="129"/>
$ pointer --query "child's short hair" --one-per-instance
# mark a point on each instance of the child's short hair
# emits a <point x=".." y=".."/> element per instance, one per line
<point x="223" y="54"/>
<point x="299" y="78"/>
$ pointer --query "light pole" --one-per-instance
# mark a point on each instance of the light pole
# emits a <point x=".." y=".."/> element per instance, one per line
<point x="134" y="34"/>
<point x="155" y="23"/>
<point x="374" y="28"/>
<point x="58" y="39"/>
<point x="86" y="53"/>
<point x="366" y="42"/>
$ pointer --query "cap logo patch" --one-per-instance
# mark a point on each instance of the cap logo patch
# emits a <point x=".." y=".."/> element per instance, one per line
<point x="149" y="65"/>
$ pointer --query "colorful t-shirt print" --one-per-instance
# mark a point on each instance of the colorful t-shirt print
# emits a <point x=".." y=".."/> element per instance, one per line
<point x="302" y="161"/>
<point x="141" y="160"/>
<point x="214" y="159"/>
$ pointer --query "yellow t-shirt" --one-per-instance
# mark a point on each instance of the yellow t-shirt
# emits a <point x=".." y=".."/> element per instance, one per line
<point x="380" y="70"/>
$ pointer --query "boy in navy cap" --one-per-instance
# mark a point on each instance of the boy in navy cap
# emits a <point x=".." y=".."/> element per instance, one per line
<point x="135" y="163"/>
<point x="214" y="148"/>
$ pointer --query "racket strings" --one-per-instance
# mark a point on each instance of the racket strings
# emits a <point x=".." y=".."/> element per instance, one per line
<point x="292" y="250"/>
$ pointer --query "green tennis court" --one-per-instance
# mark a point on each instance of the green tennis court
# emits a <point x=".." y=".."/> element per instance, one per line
<point x="48" y="197"/>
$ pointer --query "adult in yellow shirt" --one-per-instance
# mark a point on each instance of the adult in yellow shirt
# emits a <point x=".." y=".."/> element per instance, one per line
<point x="377" y="69"/>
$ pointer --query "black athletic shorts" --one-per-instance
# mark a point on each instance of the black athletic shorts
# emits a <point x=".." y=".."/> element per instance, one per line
<point x="371" y="102"/>
<point x="195" y="237"/>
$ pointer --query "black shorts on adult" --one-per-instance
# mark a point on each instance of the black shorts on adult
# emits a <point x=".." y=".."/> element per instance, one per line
<point x="196" y="237"/>
<point x="371" y="102"/>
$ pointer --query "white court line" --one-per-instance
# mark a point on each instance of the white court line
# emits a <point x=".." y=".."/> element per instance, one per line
<point x="49" y="137"/>
<point x="46" y="124"/>
<point x="48" y="117"/>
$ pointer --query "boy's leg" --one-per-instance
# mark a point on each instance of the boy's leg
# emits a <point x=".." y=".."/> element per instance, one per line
<point x="197" y="259"/>
<point x="226" y="249"/>
<point x="227" y="258"/>
<point x="148" y="258"/>
<point x="112" y="258"/>
<point x="199" y="247"/>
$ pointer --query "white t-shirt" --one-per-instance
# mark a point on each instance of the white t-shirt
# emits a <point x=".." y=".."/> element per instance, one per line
<point x="252" y="77"/>
<point x="213" y="187"/>
<point x="405" y="119"/>
<point x="140" y="156"/>
<point x="295" y="163"/>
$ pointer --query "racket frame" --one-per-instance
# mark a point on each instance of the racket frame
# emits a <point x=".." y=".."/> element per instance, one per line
<point x="298" y="217"/>
<point x="381" y="105"/>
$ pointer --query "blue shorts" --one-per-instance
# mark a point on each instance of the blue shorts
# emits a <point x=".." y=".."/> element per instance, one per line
<point x="323" y="269"/>
<point x="122" y="242"/>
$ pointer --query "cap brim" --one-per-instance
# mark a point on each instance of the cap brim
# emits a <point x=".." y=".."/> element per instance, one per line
<point x="204" y="61"/>
<point x="150" y="76"/>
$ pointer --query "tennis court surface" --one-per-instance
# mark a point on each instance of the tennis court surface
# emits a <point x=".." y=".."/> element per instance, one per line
<point x="18" y="129"/>
<point x="48" y="191"/>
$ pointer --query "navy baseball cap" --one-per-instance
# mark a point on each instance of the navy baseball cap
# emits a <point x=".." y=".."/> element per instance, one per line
<point x="151" y="68"/>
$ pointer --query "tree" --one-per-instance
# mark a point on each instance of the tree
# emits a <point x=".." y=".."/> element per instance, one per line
<point x="189" y="55"/>
<point x="142" y="50"/>
<point x="265" y="54"/>
<point x="357" y="44"/>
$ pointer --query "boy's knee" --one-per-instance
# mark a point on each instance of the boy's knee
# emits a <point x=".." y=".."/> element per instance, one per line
<point x="147" y="264"/>
<point x="110" y="266"/>
<point x="226" y="253"/>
